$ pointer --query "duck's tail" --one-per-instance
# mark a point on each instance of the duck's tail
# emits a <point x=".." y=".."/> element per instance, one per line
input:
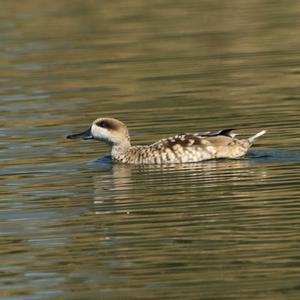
<point x="255" y="136"/>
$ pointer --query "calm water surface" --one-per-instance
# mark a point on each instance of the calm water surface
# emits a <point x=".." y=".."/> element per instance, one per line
<point x="74" y="226"/>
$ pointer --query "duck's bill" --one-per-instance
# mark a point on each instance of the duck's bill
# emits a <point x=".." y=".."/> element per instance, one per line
<point x="86" y="135"/>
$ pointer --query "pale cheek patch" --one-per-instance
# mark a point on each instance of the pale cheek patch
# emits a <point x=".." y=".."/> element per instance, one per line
<point x="100" y="133"/>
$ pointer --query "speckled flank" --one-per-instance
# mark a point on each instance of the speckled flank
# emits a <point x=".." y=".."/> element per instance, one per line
<point x="178" y="149"/>
<point x="185" y="148"/>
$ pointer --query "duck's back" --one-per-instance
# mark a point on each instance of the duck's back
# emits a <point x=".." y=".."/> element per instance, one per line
<point x="188" y="148"/>
<point x="196" y="147"/>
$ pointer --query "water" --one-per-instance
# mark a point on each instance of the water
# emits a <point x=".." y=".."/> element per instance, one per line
<point x="74" y="226"/>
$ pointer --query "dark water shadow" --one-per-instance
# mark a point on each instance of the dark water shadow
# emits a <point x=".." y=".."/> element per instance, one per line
<point x="104" y="162"/>
<point x="273" y="156"/>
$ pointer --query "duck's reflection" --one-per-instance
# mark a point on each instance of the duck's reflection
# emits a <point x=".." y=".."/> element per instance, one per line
<point x="126" y="184"/>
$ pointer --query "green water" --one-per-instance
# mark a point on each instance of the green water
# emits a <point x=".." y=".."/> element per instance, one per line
<point x="73" y="226"/>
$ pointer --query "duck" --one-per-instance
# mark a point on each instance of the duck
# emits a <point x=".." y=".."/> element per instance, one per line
<point x="181" y="148"/>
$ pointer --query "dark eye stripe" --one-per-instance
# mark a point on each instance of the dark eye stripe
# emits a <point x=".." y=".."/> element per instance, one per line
<point x="102" y="124"/>
<point x="105" y="124"/>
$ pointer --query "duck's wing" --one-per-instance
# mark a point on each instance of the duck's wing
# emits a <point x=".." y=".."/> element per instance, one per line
<point x="225" y="132"/>
<point x="181" y="140"/>
<point x="192" y="139"/>
<point x="191" y="147"/>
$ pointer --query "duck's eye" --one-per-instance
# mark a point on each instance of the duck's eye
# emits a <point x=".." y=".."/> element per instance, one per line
<point x="103" y="124"/>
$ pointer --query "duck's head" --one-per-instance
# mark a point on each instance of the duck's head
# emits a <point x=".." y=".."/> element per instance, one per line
<point x="111" y="131"/>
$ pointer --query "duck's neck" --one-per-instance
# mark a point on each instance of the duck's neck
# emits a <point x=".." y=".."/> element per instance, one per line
<point x="120" y="149"/>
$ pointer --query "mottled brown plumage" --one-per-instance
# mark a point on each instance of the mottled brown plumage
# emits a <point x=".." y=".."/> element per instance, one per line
<point x="178" y="149"/>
